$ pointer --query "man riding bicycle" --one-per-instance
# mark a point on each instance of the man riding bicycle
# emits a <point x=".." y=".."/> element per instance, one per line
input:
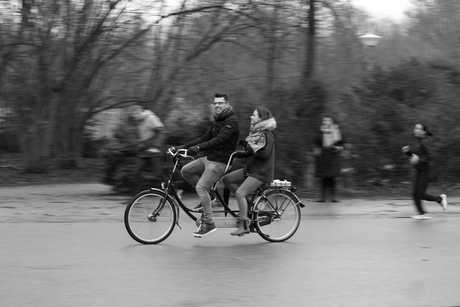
<point x="220" y="141"/>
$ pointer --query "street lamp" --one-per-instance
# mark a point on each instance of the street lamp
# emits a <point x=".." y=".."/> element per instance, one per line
<point x="370" y="40"/>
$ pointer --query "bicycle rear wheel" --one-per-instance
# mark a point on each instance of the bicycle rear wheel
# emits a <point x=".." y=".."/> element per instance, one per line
<point x="276" y="216"/>
<point x="149" y="217"/>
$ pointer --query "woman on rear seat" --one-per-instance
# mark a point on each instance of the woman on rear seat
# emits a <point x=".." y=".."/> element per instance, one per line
<point x="260" y="147"/>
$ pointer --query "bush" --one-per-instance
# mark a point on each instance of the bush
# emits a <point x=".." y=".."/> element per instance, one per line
<point x="381" y="114"/>
<point x="9" y="142"/>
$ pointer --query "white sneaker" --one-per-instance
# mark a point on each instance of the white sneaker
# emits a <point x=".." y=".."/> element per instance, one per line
<point x="421" y="217"/>
<point x="444" y="202"/>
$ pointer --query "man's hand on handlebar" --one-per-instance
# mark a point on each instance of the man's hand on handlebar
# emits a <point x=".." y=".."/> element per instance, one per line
<point x="175" y="149"/>
<point x="181" y="150"/>
<point x="171" y="150"/>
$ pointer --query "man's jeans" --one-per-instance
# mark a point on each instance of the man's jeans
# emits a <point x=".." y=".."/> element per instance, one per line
<point x="202" y="174"/>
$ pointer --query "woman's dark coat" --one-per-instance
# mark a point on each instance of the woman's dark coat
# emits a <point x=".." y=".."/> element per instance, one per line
<point x="328" y="162"/>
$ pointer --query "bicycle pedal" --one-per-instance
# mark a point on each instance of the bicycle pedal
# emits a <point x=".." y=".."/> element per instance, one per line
<point x="199" y="237"/>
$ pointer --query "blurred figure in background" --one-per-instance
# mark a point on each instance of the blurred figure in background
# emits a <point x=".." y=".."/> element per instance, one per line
<point x="328" y="145"/>
<point x="420" y="158"/>
<point x="151" y="134"/>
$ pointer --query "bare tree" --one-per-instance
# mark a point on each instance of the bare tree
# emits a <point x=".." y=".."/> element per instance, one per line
<point x="71" y="61"/>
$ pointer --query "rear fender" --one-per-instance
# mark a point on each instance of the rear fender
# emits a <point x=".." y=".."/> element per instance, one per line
<point x="297" y="201"/>
<point x="291" y="194"/>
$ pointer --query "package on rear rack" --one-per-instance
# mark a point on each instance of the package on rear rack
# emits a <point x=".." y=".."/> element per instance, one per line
<point x="280" y="183"/>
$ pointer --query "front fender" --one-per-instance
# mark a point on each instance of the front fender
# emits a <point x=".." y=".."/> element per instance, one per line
<point x="170" y="199"/>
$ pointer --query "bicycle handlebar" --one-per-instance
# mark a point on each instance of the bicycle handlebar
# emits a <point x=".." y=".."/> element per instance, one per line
<point x="180" y="152"/>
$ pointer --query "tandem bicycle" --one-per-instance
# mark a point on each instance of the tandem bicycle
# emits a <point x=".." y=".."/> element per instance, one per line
<point x="151" y="215"/>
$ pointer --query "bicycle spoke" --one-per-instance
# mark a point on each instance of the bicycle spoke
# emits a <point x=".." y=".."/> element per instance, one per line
<point x="277" y="216"/>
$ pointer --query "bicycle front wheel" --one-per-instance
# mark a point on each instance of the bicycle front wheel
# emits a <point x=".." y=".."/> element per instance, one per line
<point x="276" y="216"/>
<point x="150" y="217"/>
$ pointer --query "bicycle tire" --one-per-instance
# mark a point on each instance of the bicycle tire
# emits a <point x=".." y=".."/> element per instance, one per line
<point x="276" y="216"/>
<point x="144" y="227"/>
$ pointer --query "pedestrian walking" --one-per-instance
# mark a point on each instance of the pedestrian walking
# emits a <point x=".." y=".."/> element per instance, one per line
<point x="420" y="158"/>
<point x="328" y="146"/>
<point x="260" y="167"/>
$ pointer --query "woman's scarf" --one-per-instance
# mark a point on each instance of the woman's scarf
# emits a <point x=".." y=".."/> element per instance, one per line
<point x="256" y="138"/>
<point x="331" y="135"/>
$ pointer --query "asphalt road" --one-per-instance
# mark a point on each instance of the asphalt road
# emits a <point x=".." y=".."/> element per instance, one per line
<point x="67" y="246"/>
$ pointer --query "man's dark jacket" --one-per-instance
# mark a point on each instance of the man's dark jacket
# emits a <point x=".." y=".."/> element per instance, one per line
<point x="221" y="139"/>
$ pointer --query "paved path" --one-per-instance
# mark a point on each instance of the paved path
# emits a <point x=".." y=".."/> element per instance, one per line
<point x="65" y="245"/>
<point x="95" y="202"/>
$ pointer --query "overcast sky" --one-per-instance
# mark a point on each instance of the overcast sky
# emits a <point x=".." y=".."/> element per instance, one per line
<point x="393" y="9"/>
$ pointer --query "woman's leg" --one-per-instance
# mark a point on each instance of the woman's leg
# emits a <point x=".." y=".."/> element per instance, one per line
<point x="322" y="190"/>
<point x="418" y="188"/>
<point x="425" y="177"/>
<point x="233" y="179"/>
<point x="246" y="188"/>
<point x="333" y="184"/>
<point x="327" y="186"/>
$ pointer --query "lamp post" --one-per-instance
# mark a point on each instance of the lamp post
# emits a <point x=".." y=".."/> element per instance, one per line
<point x="370" y="41"/>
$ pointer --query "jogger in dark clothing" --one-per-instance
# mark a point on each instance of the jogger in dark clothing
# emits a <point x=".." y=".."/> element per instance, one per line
<point x="421" y="159"/>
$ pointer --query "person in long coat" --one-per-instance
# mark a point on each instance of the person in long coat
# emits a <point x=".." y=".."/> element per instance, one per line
<point x="329" y="144"/>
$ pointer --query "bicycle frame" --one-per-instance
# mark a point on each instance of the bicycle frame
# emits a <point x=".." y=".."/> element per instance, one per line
<point x="274" y="211"/>
<point x="170" y="192"/>
<point x="169" y="188"/>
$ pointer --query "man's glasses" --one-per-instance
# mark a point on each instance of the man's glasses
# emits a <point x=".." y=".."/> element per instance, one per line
<point x="218" y="103"/>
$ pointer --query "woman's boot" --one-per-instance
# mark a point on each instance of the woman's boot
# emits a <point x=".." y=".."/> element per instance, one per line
<point x="243" y="228"/>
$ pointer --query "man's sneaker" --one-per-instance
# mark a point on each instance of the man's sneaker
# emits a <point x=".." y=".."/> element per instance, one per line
<point x="421" y="217"/>
<point x="205" y="229"/>
<point x="443" y="201"/>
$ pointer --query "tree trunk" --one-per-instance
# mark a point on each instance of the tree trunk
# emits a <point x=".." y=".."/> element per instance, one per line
<point x="33" y="150"/>
<point x="310" y="56"/>
<point x="272" y="50"/>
